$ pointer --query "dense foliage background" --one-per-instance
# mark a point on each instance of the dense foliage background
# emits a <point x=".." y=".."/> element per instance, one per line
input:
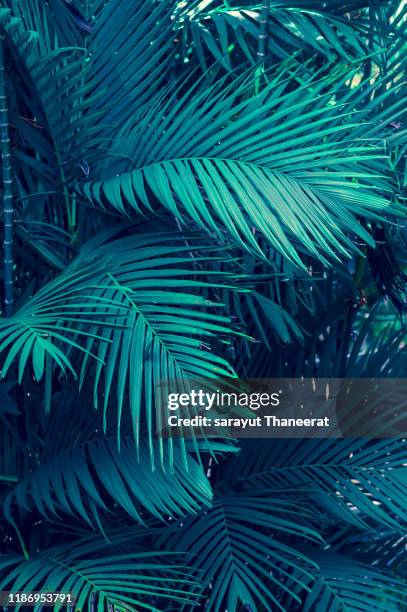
<point x="198" y="189"/>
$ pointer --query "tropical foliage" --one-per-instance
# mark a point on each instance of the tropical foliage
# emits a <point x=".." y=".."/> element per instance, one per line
<point x="198" y="189"/>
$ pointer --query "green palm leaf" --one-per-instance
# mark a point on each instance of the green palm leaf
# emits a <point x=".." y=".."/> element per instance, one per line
<point x="238" y="549"/>
<point x="269" y="315"/>
<point x="129" y="308"/>
<point x="224" y="32"/>
<point x="81" y="480"/>
<point x="116" y="110"/>
<point x="344" y="584"/>
<point x="281" y="165"/>
<point x="131" y="60"/>
<point x="360" y="482"/>
<point x="52" y="112"/>
<point x="98" y="572"/>
<point x="54" y="20"/>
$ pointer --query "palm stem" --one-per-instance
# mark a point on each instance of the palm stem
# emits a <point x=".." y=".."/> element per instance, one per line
<point x="263" y="35"/>
<point x="7" y="188"/>
<point x="262" y="44"/>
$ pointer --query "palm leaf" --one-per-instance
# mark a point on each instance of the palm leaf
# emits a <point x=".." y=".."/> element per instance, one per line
<point x="344" y="584"/>
<point x="360" y="482"/>
<point x="267" y="315"/>
<point x="130" y="308"/>
<point x="98" y="572"/>
<point x="385" y="548"/>
<point x="53" y="19"/>
<point x="130" y="61"/>
<point x="219" y="31"/>
<point x="51" y="110"/>
<point x="240" y="561"/>
<point x="80" y="481"/>
<point x="238" y="165"/>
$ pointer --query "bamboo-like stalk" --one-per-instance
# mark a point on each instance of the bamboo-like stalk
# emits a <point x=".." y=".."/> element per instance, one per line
<point x="263" y="36"/>
<point x="7" y="188"/>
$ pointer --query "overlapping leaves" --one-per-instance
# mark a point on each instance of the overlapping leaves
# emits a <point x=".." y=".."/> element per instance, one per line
<point x="80" y="480"/>
<point x="238" y="549"/>
<point x="53" y="111"/>
<point x="290" y="161"/>
<point x="99" y="572"/>
<point x="281" y="164"/>
<point x="360" y="482"/>
<point x="229" y="32"/>
<point x="344" y="584"/>
<point x="129" y="311"/>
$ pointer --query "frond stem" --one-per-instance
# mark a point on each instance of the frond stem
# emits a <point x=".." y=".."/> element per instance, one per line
<point x="20" y="539"/>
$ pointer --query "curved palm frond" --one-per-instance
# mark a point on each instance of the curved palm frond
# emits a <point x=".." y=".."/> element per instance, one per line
<point x="55" y="20"/>
<point x="281" y="164"/>
<point x="359" y="482"/>
<point x="56" y="120"/>
<point x="344" y="584"/>
<point x="274" y="312"/>
<point x="227" y="34"/>
<point x="118" y="104"/>
<point x="130" y="61"/>
<point x="238" y="551"/>
<point x="81" y="480"/>
<point x="22" y="40"/>
<point x="52" y="111"/>
<point x="267" y="315"/>
<point x="97" y="572"/>
<point x="134" y="305"/>
<point x="385" y="548"/>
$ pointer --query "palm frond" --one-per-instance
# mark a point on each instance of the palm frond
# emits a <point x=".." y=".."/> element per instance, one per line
<point x="54" y="20"/>
<point x="344" y="584"/>
<point x="98" y="572"/>
<point x="359" y="482"/>
<point x="238" y="549"/>
<point x="81" y="480"/>
<point x="131" y="60"/>
<point x="266" y="240"/>
<point x="130" y="309"/>
<point x="221" y="32"/>
<point x="281" y="165"/>
<point x="267" y="315"/>
<point x="51" y="109"/>
<point x="385" y="549"/>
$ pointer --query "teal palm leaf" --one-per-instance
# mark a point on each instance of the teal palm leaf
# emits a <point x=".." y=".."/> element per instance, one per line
<point x="81" y="480"/>
<point x="140" y="51"/>
<point x="55" y="95"/>
<point x="54" y="20"/>
<point x="238" y="549"/>
<point x="22" y="40"/>
<point x="97" y="572"/>
<point x="281" y="164"/>
<point x="266" y="239"/>
<point x="227" y="33"/>
<point x="130" y="61"/>
<point x="360" y="482"/>
<point x="344" y="584"/>
<point x="268" y="315"/>
<point x="130" y="310"/>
